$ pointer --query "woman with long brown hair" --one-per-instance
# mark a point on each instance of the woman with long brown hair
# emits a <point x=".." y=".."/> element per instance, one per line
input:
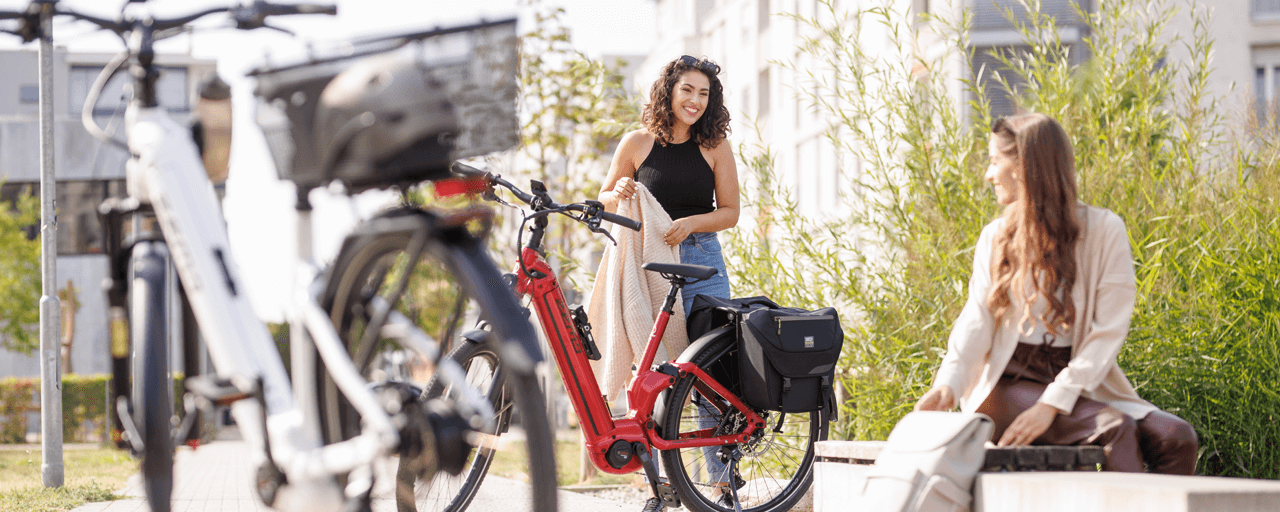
<point x="1050" y="300"/>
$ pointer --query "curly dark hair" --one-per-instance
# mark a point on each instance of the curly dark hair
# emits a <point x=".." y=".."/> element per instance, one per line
<point x="657" y="117"/>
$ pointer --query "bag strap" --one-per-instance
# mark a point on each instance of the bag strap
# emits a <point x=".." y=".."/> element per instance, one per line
<point x="829" y="399"/>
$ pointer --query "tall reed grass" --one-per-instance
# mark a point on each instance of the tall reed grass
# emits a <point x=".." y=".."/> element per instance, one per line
<point x="1195" y="186"/>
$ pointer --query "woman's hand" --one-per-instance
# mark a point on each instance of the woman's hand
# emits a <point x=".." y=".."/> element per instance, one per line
<point x="940" y="398"/>
<point x="1029" y="425"/>
<point x="625" y="188"/>
<point x="680" y="229"/>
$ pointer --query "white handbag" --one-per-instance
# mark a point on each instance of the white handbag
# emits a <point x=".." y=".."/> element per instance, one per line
<point x="928" y="464"/>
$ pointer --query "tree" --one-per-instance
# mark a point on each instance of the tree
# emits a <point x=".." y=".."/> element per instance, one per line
<point x="19" y="274"/>
<point x="574" y="108"/>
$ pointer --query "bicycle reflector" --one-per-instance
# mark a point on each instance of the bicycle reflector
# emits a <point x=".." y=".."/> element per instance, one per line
<point x="457" y="186"/>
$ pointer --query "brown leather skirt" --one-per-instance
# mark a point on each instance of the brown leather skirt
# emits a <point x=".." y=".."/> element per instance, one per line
<point x="1169" y="442"/>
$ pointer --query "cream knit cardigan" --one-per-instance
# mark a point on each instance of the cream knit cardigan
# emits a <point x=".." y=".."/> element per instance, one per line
<point x="626" y="299"/>
<point x="979" y="348"/>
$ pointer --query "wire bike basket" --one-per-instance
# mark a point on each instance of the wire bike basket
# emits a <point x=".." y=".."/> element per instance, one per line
<point x="392" y="110"/>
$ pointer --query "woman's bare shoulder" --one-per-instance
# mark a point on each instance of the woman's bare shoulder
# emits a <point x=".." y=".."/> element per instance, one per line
<point x="637" y="139"/>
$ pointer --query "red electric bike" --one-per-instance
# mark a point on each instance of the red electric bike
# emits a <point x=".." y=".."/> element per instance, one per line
<point x="718" y="453"/>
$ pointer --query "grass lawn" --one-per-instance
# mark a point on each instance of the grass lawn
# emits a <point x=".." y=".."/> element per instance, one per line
<point x="90" y="475"/>
<point x="510" y="463"/>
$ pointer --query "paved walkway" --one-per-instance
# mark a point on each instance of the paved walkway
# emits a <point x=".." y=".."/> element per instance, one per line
<point x="217" y="477"/>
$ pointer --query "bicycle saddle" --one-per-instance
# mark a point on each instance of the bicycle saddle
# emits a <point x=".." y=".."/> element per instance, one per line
<point x="672" y="270"/>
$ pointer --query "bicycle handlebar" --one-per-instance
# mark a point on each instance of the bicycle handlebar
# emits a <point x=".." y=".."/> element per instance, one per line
<point x="591" y="209"/>
<point x="247" y="17"/>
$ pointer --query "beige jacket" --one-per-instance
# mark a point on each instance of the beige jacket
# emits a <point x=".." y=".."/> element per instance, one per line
<point x="1104" y="292"/>
<point x="626" y="299"/>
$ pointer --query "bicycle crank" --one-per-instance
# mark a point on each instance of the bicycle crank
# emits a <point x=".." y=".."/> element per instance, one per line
<point x="433" y="436"/>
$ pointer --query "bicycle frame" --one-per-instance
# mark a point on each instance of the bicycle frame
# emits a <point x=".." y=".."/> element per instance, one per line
<point x="599" y="428"/>
<point x="166" y="172"/>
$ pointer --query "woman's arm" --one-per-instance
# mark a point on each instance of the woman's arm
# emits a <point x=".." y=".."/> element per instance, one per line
<point x="725" y="215"/>
<point x="974" y="330"/>
<point x="619" y="185"/>
<point x="1115" y="291"/>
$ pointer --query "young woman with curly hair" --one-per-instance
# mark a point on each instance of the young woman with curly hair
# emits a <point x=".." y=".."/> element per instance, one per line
<point x="1050" y="300"/>
<point x="683" y="157"/>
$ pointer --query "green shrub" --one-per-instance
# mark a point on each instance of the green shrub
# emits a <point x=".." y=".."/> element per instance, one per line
<point x="84" y="406"/>
<point x="1194" y="186"/>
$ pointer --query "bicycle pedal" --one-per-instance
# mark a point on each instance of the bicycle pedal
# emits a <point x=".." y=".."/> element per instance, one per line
<point x="221" y="391"/>
<point x="132" y="436"/>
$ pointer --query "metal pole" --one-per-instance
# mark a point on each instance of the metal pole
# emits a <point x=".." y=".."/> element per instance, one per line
<point x="51" y="470"/>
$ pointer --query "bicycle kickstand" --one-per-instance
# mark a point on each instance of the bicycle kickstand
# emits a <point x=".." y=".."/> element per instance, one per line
<point x="661" y="489"/>
<point x="733" y="487"/>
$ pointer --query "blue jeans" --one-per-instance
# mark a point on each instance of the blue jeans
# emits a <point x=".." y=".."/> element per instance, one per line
<point x="704" y="249"/>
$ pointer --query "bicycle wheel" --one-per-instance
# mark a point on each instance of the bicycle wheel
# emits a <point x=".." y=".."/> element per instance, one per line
<point x="370" y="267"/>
<point x="152" y="396"/>
<point x="453" y="493"/>
<point x="776" y="466"/>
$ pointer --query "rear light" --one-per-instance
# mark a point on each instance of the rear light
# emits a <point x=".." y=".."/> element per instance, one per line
<point x="457" y="186"/>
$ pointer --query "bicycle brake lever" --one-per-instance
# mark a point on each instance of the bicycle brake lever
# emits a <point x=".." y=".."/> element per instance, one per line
<point x="602" y="231"/>
<point x="285" y="30"/>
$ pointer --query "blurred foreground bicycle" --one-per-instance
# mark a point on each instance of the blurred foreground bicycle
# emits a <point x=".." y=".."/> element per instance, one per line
<point x="382" y="113"/>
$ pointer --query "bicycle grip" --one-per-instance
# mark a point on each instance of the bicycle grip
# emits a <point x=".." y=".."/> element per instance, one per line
<point x="625" y="222"/>
<point x="330" y="9"/>
<point x="270" y="9"/>
<point x="467" y="170"/>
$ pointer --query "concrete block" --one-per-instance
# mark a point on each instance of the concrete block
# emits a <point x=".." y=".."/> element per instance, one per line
<point x="849" y="452"/>
<point x="1129" y="492"/>
<point x="837" y="485"/>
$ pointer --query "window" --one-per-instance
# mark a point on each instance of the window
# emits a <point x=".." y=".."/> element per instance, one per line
<point x="29" y="94"/>
<point x="985" y="67"/>
<point x="1266" y="85"/>
<point x="763" y="14"/>
<point x="79" y="229"/>
<point x="762" y="89"/>
<point x="1266" y="8"/>
<point x="990" y="14"/>
<point x="171" y="90"/>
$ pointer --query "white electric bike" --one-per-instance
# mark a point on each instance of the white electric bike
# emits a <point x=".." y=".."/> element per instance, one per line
<point x="320" y="430"/>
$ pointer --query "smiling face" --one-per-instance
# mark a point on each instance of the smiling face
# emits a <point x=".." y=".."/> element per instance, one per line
<point x="1004" y="172"/>
<point x="689" y="97"/>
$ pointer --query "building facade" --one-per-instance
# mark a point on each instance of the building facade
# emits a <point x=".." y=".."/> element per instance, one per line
<point x="753" y="40"/>
<point x="87" y="172"/>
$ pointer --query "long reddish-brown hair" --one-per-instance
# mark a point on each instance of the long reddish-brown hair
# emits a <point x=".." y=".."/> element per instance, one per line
<point x="710" y="129"/>
<point x="1037" y="243"/>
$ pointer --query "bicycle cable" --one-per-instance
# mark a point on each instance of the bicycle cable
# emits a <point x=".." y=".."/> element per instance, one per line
<point x="86" y="113"/>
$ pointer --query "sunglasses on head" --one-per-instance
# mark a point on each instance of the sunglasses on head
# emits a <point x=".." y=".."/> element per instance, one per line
<point x="702" y="64"/>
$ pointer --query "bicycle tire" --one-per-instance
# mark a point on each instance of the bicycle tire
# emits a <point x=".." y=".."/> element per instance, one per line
<point x="776" y="468"/>
<point x="152" y="398"/>
<point x="361" y="272"/>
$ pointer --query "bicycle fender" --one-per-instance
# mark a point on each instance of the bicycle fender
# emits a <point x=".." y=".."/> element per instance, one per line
<point x="660" y="405"/>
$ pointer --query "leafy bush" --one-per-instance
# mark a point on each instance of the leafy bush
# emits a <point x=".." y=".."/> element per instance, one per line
<point x="19" y="274"/>
<point x="84" y="401"/>
<point x="83" y="407"/>
<point x="1195" y="187"/>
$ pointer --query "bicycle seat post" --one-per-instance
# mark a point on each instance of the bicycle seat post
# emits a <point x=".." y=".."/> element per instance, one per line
<point x="677" y="283"/>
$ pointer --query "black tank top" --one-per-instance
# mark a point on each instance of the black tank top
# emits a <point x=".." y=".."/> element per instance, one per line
<point x="679" y="178"/>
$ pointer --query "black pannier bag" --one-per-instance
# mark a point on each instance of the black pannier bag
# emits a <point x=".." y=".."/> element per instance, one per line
<point x="787" y="356"/>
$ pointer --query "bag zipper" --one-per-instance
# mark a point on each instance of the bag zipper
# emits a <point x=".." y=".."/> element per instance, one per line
<point x="798" y="318"/>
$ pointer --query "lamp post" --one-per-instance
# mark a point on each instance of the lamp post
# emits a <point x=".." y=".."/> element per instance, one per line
<point x="40" y="13"/>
